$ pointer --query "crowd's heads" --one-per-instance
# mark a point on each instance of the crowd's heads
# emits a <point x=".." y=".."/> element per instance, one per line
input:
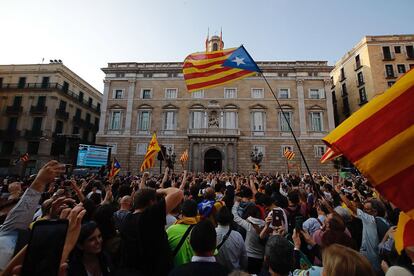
<point x="374" y="207"/>
<point x="341" y="260"/>
<point x="335" y="222"/>
<point x="279" y="254"/>
<point x="144" y="198"/>
<point x="189" y="208"/>
<point x="90" y="239"/>
<point x="293" y="197"/>
<point x="209" y="194"/>
<point x="245" y="192"/>
<point x="224" y="216"/>
<point x="126" y="202"/>
<point x="203" y="238"/>
<point x="15" y="188"/>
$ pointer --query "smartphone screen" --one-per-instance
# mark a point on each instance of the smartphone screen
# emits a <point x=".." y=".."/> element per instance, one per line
<point x="277" y="217"/>
<point x="298" y="223"/>
<point x="45" y="247"/>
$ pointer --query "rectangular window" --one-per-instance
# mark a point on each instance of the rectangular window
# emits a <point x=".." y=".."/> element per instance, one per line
<point x="37" y="124"/>
<point x="197" y="94"/>
<point x="62" y="105"/>
<point x="397" y="49"/>
<point x="410" y="51"/>
<point x="401" y="68"/>
<point x="75" y="130"/>
<point x="230" y="93"/>
<point x="282" y="121"/>
<point x="389" y="70"/>
<point x="170" y="121"/>
<point x="357" y="62"/>
<point x="171" y="93"/>
<point x="88" y="118"/>
<point x="17" y="102"/>
<point x="342" y="74"/>
<point x="59" y="127"/>
<point x="118" y="94"/>
<point x="319" y="150"/>
<point x="258" y="121"/>
<point x="344" y="90"/>
<point x="12" y="124"/>
<point x="98" y="106"/>
<point x="257" y="93"/>
<point x="22" y="82"/>
<point x="45" y="82"/>
<point x="90" y="102"/>
<point x="362" y="95"/>
<point x="360" y="78"/>
<point x="260" y="149"/>
<point x="230" y="119"/>
<point x="316" y="121"/>
<point x="315" y="93"/>
<point x="115" y="122"/>
<point x="146" y="93"/>
<point x="386" y="52"/>
<point x="141" y="148"/>
<point x="78" y="113"/>
<point x="65" y="86"/>
<point x="80" y="96"/>
<point x="41" y="101"/>
<point x="32" y="147"/>
<point x="197" y="119"/>
<point x="144" y="120"/>
<point x="284" y="93"/>
<point x="7" y="147"/>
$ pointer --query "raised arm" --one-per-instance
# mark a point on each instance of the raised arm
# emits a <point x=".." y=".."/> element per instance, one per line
<point x="183" y="181"/>
<point x="173" y="197"/>
<point x="164" y="179"/>
<point x="143" y="180"/>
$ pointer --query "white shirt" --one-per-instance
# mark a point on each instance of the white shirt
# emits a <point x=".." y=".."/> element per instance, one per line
<point x="203" y="259"/>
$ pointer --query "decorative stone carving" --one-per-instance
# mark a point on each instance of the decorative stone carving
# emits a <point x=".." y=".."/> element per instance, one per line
<point x="213" y="121"/>
<point x="299" y="82"/>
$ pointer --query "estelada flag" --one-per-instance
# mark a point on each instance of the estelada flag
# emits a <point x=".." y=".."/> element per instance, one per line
<point x="205" y="70"/>
<point x="152" y="150"/>
<point x="379" y="140"/>
<point x="115" y="168"/>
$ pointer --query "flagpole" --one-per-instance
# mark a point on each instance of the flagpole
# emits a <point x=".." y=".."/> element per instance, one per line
<point x="287" y="121"/>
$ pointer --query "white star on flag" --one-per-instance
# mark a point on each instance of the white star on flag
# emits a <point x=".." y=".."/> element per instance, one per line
<point x="239" y="61"/>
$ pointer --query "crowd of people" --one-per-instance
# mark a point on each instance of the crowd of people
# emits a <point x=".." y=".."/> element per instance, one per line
<point x="183" y="223"/>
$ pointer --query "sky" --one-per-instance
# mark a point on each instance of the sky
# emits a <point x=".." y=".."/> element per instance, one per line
<point x="87" y="34"/>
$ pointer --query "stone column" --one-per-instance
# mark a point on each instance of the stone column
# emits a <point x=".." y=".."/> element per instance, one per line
<point x="104" y="105"/>
<point x="301" y="106"/>
<point x="128" y="118"/>
<point x="329" y="104"/>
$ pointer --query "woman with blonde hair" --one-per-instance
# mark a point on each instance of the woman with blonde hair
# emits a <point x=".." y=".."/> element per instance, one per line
<point x="341" y="260"/>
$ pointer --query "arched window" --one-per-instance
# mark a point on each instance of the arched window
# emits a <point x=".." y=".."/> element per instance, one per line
<point x="215" y="46"/>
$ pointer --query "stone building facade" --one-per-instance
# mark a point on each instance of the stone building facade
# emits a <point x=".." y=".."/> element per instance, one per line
<point x="46" y="111"/>
<point x="368" y="69"/>
<point x="220" y="126"/>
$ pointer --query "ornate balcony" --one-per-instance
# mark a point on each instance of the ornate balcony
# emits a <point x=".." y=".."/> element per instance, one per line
<point x="210" y="132"/>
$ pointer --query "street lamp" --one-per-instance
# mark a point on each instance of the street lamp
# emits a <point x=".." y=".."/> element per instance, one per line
<point x="170" y="158"/>
<point x="256" y="157"/>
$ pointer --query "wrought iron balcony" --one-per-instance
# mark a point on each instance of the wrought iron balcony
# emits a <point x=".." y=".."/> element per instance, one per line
<point x="35" y="109"/>
<point x="50" y="87"/>
<point x="213" y="132"/>
<point x="62" y="114"/>
<point x="14" y="110"/>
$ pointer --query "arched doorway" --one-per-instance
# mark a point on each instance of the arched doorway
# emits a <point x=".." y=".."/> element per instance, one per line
<point x="212" y="161"/>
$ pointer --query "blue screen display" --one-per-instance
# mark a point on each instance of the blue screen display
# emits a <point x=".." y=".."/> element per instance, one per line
<point x="92" y="156"/>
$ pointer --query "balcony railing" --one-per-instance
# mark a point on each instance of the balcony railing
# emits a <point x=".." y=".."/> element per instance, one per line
<point x="9" y="133"/>
<point x="35" y="109"/>
<point x="50" y="86"/>
<point x="62" y="114"/>
<point x="14" y="110"/>
<point x="33" y="134"/>
<point x="213" y="132"/>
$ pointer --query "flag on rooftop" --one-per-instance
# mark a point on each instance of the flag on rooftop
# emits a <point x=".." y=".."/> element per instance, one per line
<point x="379" y="140"/>
<point x="152" y="150"/>
<point x="115" y="168"/>
<point x="205" y="70"/>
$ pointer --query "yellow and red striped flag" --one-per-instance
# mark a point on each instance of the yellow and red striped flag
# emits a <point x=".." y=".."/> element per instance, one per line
<point x="379" y="140"/>
<point x="289" y="154"/>
<point x="205" y="70"/>
<point x="184" y="156"/>
<point x="152" y="150"/>
<point x="115" y="168"/>
<point x="330" y="154"/>
<point x="404" y="236"/>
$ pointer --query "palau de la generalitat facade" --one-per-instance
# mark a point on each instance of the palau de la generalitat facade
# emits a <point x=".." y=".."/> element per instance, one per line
<point x="219" y="126"/>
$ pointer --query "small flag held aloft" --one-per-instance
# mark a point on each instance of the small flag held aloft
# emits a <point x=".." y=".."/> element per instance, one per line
<point x="289" y="154"/>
